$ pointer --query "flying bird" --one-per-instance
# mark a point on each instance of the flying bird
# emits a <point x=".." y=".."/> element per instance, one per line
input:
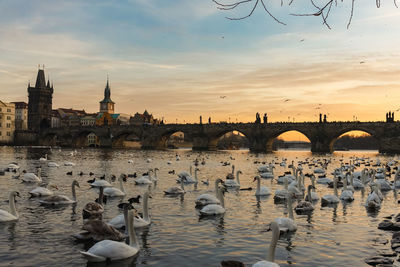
<point x="286" y="100"/>
<point x="302" y="40"/>
<point x="362" y="62"/>
<point x="222" y="96"/>
<point x="317" y="108"/>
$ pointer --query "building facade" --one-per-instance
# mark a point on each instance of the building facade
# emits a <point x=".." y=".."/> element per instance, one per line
<point x="40" y="103"/>
<point x="7" y="122"/>
<point x="21" y="115"/>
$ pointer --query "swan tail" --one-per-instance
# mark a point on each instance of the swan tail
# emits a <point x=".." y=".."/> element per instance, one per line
<point x="92" y="258"/>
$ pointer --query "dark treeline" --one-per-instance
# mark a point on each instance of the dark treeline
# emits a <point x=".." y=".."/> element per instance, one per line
<point x="356" y="142"/>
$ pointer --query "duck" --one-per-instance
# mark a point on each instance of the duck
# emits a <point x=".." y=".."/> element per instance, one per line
<point x="6" y="216"/>
<point x="272" y="246"/>
<point x="134" y="199"/>
<point x="43" y="191"/>
<point x="215" y="209"/>
<point x="287" y="224"/>
<point x="61" y="199"/>
<point x="115" y="192"/>
<point x="109" y="250"/>
<point x="331" y="199"/>
<point x="30" y="177"/>
<point x="261" y="190"/>
<point x="231" y="183"/>
<point x="206" y="199"/>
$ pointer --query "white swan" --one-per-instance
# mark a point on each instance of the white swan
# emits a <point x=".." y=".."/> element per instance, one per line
<point x="346" y="195"/>
<point x="145" y="179"/>
<point x="113" y="250"/>
<point x="331" y="199"/>
<point x="373" y="199"/>
<point x="304" y="205"/>
<point x="206" y="199"/>
<point x="287" y="224"/>
<point x="52" y="164"/>
<point x="145" y="220"/>
<point x="261" y="190"/>
<point x="13" y="214"/>
<point x="215" y="209"/>
<point x="115" y="192"/>
<point x="100" y="183"/>
<point x="175" y="190"/>
<point x="68" y="163"/>
<point x="313" y="194"/>
<point x="271" y="252"/>
<point x="43" y="159"/>
<point x="61" y="199"/>
<point x="30" y="177"/>
<point x="232" y="183"/>
<point x="43" y="191"/>
<point x="119" y="221"/>
<point x="187" y="179"/>
<point x="281" y="194"/>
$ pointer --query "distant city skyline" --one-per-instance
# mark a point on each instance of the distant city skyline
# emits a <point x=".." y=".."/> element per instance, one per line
<point x="180" y="65"/>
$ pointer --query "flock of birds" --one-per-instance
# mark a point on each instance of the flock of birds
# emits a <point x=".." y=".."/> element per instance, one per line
<point x="297" y="186"/>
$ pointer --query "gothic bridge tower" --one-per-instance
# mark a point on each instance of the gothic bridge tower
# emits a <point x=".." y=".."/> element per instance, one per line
<point x="40" y="103"/>
<point x="107" y="105"/>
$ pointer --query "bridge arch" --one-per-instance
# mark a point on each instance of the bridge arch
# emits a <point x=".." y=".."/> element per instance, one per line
<point x="356" y="132"/>
<point x="270" y="140"/>
<point x="86" y="138"/>
<point x="165" y="138"/>
<point x="126" y="139"/>
<point x="237" y="139"/>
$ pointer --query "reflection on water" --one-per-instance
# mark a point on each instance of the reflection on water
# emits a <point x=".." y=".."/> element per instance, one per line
<point x="341" y="234"/>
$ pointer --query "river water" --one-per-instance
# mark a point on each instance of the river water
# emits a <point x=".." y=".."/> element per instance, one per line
<point x="332" y="236"/>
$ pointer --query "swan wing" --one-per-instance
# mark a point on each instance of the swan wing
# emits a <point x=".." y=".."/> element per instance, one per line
<point x="206" y="199"/>
<point x="56" y="199"/>
<point x="265" y="264"/>
<point x="5" y="216"/>
<point x="140" y="222"/>
<point x="99" y="230"/>
<point x="113" y="192"/>
<point x="108" y="249"/>
<point x="212" y="209"/>
<point x="117" y="222"/>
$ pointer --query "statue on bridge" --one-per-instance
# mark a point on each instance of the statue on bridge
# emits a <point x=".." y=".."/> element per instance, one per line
<point x="390" y="116"/>
<point x="265" y="118"/>
<point x="258" y="119"/>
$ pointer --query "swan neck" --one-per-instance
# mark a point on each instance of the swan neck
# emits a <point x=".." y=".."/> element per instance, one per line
<point x="73" y="191"/>
<point x="182" y="184"/>
<point x="335" y="187"/>
<point x="290" y="208"/>
<point x="258" y="185"/>
<point x="309" y="193"/>
<point x="121" y="185"/>
<point x="146" y="207"/>
<point x="237" y="177"/>
<point x="345" y="183"/>
<point x="272" y="245"/>
<point x="221" y="198"/>
<point x="286" y="183"/>
<point x="133" y="242"/>
<point x="13" y="210"/>
<point x="216" y="186"/>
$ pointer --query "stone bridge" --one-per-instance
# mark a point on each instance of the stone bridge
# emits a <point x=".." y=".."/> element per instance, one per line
<point x="205" y="136"/>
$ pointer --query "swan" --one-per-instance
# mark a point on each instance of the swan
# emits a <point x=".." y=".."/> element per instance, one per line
<point x="61" y="199"/>
<point x="100" y="183"/>
<point x="13" y="214"/>
<point x="281" y="194"/>
<point x="314" y="195"/>
<point x="43" y="191"/>
<point x="187" y="179"/>
<point x="384" y="184"/>
<point x="206" y="199"/>
<point x="43" y="159"/>
<point x="52" y="164"/>
<point x="108" y="250"/>
<point x="115" y="192"/>
<point x="145" y="179"/>
<point x="145" y="220"/>
<point x="94" y="209"/>
<point x="346" y="195"/>
<point x="30" y="177"/>
<point x="68" y="163"/>
<point x="305" y="206"/>
<point x="331" y="199"/>
<point x="175" y="190"/>
<point x="98" y="231"/>
<point x="215" y="209"/>
<point x="119" y="221"/>
<point x="155" y="178"/>
<point x="261" y="190"/>
<point x="358" y="183"/>
<point x="287" y="224"/>
<point x="232" y="183"/>
<point x="373" y="199"/>
<point x="12" y="167"/>
<point x="271" y="252"/>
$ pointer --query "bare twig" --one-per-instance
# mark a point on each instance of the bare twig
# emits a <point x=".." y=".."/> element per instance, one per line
<point x="351" y="15"/>
<point x="269" y="13"/>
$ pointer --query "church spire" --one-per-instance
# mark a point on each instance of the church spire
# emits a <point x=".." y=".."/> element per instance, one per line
<point x="40" y="80"/>
<point x="107" y="93"/>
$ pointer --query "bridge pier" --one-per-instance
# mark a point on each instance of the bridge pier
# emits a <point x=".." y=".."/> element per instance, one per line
<point x="390" y="145"/>
<point x="202" y="143"/>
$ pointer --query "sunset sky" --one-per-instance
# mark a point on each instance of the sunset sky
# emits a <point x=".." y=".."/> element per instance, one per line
<point x="176" y="58"/>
